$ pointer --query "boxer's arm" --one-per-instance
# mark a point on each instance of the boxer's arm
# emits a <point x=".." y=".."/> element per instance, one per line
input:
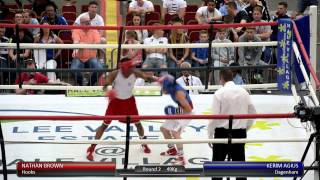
<point x="145" y="76"/>
<point x="183" y="101"/>
<point x="109" y="80"/>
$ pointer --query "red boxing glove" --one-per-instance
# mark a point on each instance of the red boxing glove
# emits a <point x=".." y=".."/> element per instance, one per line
<point x="112" y="94"/>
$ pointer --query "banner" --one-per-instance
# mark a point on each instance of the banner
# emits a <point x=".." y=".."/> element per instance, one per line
<point x="284" y="52"/>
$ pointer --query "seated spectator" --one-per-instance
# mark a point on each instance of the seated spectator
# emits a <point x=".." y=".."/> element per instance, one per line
<point x="33" y="21"/>
<point x="3" y="58"/>
<point x="156" y="58"/>
<point x="249" y="10"/>
<point x="221" y="56"/>
<point x="134" y="54"/>
<point x="224" y="9"/>
<point x="30" y="78"/>
<point x="303" y="5"/>
<point x="23" y="53"/>
<point x="199" y="56"/>
<point x="280" y="14"/>
<point x="237" y="78"/>
<point x="178" y="36"/>
<point x="173" y="7"/>
<point x="232" y="35"/>
<point x="4" y="10"/>
<point x="39" y="6"/>
<point x="140" y="7"/>
<point x="142" y="34"/>
<point x="46" y="58"/>
<point x="209" y="13"/>
<point x="187" y="79"/>
<point x="85" y="57"/>
<point x="239" y="16"/>
<point x="18" y="19"/>
<point x="53" y="18"/>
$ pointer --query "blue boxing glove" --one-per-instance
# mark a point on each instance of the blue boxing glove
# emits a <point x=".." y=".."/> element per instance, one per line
<point x="170" y="110"/>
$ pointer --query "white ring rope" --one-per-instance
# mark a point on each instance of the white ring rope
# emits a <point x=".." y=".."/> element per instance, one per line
<point x="133" y="46"/>
<point x="161" y="141"/>
<point x="55" y="87"/>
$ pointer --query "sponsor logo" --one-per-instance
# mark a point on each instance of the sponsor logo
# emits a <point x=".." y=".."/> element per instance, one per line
<point x="110" y="151"/>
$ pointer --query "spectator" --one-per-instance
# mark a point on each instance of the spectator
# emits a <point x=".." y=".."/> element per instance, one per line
<point x="53" y="18"/>
<point x="134" y="54"/>
<point x="231" y="32"/>
<point x="4" y="10"/>
<point x="230" y="99"/>
<point x="30" y="78"/>
<point x="46" y="58"/>
<point x="221" y="56"/>
<point x="209" y="13"/>
<point x="156" y="58"/>
<point x="18" y="19"/>
<point x="140" y="7"/>
<point x="85" y="57"/>
<point x="199" y="56"/>
<point x="142" y="34"/>
<point x="3" y="57"/>
<point x="33" y="21"/>
<point x="239" y="16"/>
<point x="187" y="79"/>
<point x="303" y="5"/>
<point x="249" y="10"/>
<point x="178" y="36"/>
<point x="173" y="7"/>
<point x="236" y="73"/>
<point x="95" y="18"/>
<point x="224" y="9"/>
<point x="280" y="14"/>
<point x="39" y="6"/>
<point x="263" y="32"/>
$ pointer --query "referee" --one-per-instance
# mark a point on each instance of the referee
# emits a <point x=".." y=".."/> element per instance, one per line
<point x="230" y="99"/>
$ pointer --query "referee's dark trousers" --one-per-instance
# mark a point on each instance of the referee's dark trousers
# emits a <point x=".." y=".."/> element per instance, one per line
<point x="220" y="151"/>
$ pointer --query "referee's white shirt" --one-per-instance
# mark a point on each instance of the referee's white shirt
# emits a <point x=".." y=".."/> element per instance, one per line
<point x="231" y="99"/>
<point x="191" y="81"/>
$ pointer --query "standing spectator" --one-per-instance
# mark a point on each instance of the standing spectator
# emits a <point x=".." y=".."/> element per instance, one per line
<point x="39" y="6"/>
<point x="142" y="34"/>
<point x="239" y="16"/>
<point x="209" y="13"/>
<point x="53" y="18"/>
<point x="140" y="7"/>
<point x="46" y="58"/>
<point x="199" y="56"/>
<point x="3" y="57"/>
<point x="30" y="78"/>
<point x="173" y="7"/>
<point x="178" y="36"/>
<point x="280" y="14"/>
<point x="221" y="56"/>
<point x="134" y="54"/>
<point x="85" y="57"/>
<point x="156" y="58"/>
<point x="263" y="32"/>
<point x="249" y="10"/>
<point x="224" y="9"/>
<point x="33" y="21"/>
<point x="188" y="80"/>
<point x="230" y="99"/>
<point x="231" y="32"/>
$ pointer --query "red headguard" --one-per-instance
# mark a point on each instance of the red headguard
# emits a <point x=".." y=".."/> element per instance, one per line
<point x="126" y="66"/>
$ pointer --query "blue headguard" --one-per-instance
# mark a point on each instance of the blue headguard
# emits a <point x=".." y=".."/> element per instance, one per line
<point x="168" y="84"/>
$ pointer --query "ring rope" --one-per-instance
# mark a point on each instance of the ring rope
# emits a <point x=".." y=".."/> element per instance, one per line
<point x="134" y="46"/>
<point x="160" y="141"/>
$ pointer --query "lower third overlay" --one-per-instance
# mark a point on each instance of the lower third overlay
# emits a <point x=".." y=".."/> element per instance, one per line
<point x="210" y="169"/>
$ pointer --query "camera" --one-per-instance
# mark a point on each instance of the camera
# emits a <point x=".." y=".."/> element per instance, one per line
<point x="307" y="113"/>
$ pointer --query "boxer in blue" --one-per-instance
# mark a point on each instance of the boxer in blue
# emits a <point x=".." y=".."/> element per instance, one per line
<point x="172" y="129"/>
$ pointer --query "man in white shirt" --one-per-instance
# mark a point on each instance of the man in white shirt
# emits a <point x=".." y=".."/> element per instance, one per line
<point x="174" y="7"/>
<point x="95" y="18"/>
<point x="140" y="7"/>
<point x="188" y="80"/>
<point x="156" y="58"/>
<point x="230" y="99"/>
<point x="206" y="14"/>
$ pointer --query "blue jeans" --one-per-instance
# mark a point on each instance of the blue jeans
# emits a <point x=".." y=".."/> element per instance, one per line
<point x="92" y="63"/>
<point x="303" y="4"/>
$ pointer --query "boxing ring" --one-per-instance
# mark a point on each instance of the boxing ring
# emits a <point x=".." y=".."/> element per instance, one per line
<point x="56" y="128"/>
